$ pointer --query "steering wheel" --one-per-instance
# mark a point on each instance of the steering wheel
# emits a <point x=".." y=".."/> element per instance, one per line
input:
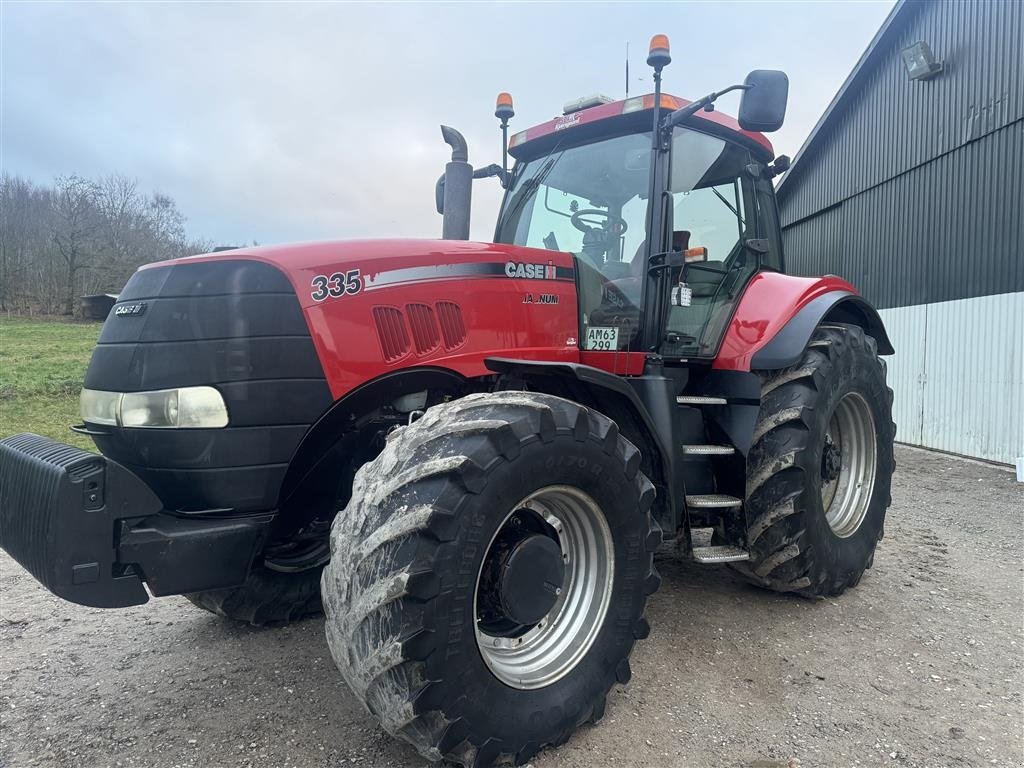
<point x="610" y="223"/>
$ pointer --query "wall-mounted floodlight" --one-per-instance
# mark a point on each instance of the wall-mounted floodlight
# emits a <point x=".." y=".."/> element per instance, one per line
<point x="920" y="61"/>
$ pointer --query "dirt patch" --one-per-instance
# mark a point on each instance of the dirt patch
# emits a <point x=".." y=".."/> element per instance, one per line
<point x="920" y="665"/>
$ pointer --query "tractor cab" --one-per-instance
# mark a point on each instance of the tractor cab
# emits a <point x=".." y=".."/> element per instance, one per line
<point x="666" y="205"/>
<point x="583" y="184"/>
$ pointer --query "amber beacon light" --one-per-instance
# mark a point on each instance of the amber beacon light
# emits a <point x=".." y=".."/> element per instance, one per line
<point x="658" y="54"/>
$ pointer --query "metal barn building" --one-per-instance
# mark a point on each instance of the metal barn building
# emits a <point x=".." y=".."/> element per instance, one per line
<point x="911" y="186"/>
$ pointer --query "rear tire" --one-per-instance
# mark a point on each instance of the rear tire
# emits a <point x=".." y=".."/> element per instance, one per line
<point x="404" y="592"/>
<point x="819" y="469"/>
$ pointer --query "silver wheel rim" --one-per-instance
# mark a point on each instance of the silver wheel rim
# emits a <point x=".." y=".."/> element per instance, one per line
<point x="847" y="496"/>
<point x="553" y="647"/>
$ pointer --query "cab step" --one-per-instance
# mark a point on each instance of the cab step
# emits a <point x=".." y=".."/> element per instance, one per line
<point x="700" y="400"/>
<point x="713" y="501"/>
<point x="708" y="450"/>
<point x="720" y="553"/>
<point x="701" y="536"/>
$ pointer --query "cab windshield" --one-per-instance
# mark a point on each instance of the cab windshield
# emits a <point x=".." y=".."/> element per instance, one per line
<point x="589" y="200"/>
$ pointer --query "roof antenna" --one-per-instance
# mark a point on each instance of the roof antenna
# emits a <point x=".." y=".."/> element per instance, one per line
<point x="627" y="69"/>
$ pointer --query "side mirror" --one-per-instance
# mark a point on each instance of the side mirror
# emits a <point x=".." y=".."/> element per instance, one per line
<point x="781" y="165"/>
<point x="439" y="195"/>
<point x="763" y="104"/>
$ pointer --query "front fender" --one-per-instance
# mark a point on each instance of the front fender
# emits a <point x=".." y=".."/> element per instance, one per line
<point x="618" y="398"/>
<point x="778" y="313"/>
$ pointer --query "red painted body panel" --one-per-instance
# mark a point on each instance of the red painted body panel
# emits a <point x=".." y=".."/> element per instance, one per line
<point x="499" y="316"/>
<point x="619" y="363"/>
<point x="769" y="302"/>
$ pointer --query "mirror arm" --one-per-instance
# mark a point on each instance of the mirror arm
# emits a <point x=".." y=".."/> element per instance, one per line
<point x="706" y="103"/>
<point x="480" y="173"/>
<point x="665" y="260"/>
<point x="492" y="170"/>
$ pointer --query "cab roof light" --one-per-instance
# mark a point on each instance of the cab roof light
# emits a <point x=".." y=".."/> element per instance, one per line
<point x="517" y="139"/>
<point x="658" y="55"/>
<point x="638" y="103"/>
<point x="585" y="102"/>
<point x="503" y="107"/>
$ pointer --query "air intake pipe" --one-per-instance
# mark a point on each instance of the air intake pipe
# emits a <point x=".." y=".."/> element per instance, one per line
<point x="455" y="188"/>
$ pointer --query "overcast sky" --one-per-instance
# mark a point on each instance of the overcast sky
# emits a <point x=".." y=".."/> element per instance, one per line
<point x="278" y="122"/>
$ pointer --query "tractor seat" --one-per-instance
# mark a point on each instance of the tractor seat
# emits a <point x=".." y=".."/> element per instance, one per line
<point x="704" y="282"/>
<point x="616" y="270"/>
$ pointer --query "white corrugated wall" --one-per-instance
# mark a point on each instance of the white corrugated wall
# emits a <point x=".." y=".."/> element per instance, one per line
<point x="958" y="375"/>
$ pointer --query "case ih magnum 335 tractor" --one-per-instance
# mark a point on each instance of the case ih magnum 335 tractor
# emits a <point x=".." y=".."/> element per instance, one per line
<point x="468" y="453"/>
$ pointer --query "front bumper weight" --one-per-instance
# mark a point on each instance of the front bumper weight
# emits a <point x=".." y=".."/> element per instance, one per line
<point x="95" y="534"/>
<point x="58" y="506"/>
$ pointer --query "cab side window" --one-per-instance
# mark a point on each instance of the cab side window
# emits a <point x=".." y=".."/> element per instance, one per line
<point x="714" y="209"/>
<point x="714" y="216"/>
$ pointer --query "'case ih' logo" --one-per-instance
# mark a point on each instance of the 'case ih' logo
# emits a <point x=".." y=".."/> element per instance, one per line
<point x="567" y="121"/>
<point x="530" y="271"/>
<point x="130" y="310"/>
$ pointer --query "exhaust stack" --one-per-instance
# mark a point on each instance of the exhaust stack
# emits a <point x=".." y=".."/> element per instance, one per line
<point x="458" y="187"/>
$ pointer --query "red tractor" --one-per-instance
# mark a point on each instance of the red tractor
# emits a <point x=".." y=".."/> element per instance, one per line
<point x="466" y="454"/>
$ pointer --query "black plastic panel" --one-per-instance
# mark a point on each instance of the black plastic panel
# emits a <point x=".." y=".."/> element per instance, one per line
<point x="176" y="555"/>
<point x="205" y="278"/>
<point x="235" y="325"/>
<point x="206" y="317"/>
<point x="160" y="365"/>
<point x="201" y="448"/>
<point x="238" y="489"/>
<point x="296" y="401"/>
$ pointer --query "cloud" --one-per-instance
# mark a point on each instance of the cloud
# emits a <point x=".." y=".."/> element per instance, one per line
<point x="286" y="122"/>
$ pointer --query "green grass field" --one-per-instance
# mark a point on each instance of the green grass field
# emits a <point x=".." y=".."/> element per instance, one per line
<point x="42" y="364"/>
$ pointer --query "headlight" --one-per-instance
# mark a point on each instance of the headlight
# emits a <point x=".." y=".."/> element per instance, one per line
<point x="188" y="407"/>
<point x="100" y="407"/>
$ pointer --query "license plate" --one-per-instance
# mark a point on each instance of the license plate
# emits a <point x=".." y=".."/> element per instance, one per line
<point x="602" y="339"/>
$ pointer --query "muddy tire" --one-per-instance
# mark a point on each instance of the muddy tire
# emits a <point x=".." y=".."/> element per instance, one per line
<point x="408" y="592"/>
<point x="819" y="469"/>
<point x="267" y="597"/>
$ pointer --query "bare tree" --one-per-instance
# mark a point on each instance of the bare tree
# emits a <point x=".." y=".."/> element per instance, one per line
<point x="81" y="236"/>
<point x="75" y="225"/>
<point x="23" y="228"/>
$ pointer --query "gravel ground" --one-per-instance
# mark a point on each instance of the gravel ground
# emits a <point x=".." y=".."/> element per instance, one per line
<point x="921" y="665"/>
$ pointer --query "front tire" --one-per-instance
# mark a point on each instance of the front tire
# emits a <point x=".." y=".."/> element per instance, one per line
<point x="422" y="576"/>
<point x="820" y="467"/>
<point x="282" y="587"/>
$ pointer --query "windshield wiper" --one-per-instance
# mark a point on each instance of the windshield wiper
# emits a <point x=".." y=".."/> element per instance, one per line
<point x="530" y="185"/>
<point x="528" y="188"/>
<point x="729" y="205"/>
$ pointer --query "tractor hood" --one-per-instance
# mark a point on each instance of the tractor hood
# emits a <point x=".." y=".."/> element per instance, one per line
<point x="382" y="263"/>
<point x="282" y="333"/>
<point x="375" y="306"/>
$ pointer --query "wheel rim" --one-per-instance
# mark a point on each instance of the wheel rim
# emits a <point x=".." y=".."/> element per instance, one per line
<point x="848" y="465"/>
<point x="538" y="655"/>
<point x="311" y="549"/>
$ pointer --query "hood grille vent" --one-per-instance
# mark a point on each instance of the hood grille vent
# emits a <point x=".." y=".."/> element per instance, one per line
<point x="421" y="326"/>
<point x="394" y="338"/>
<point x="424" y="328"/>
<point x="453" y="327"/>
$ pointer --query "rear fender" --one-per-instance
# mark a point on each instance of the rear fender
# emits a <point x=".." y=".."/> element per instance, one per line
<point x="788" y="344"/>
<point x="778" y="313"/>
